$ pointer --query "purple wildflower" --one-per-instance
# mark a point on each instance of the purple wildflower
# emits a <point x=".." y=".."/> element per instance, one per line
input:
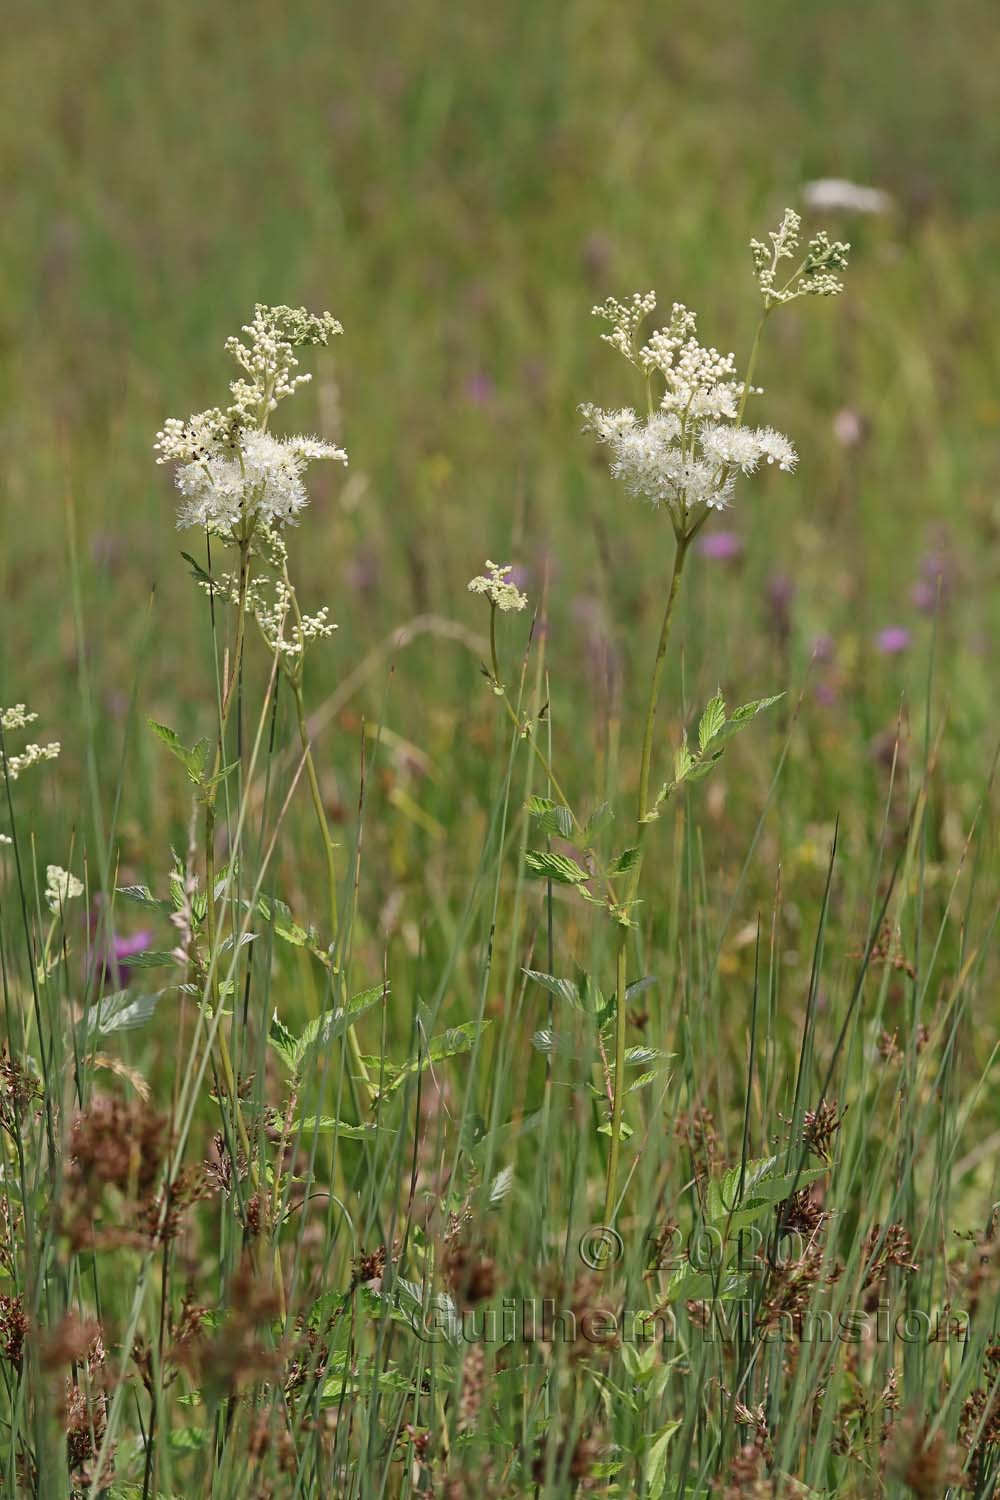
<point x="892" y="640"/>
<point x="111" y="967"/>
<point x="934" y="583"/>
<point x="720" y="546"/>
<point x="479" y="388"/>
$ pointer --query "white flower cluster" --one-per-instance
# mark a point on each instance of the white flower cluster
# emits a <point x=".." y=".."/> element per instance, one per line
<point x="274" y="615"/>
<point x="626" y="318"/>
<point x="60" y="887"/>
<point x="260" y="478"/>
<point x="655" y="463"/>
<point x="272" y="620"/>
<point x="685" y="454"/>
<point x="496" y="585"/>
<point x="232" y="473"/>
<point x="15" y="718"/>
<point x="814" y="276"/>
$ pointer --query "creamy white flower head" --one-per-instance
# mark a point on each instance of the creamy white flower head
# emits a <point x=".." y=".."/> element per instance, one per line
<point x="744" y="448"/>
<point x="15" y="718"/>
<point x="60" y="887"/>
<point x="654" y="467"/>
<point x="699" y="382"/>
<point x="6" y="839"/>
<point x="730" y="446"/>
<point x="497" y="587"/>
<point x="262" y="479"/>
<point x="232" y="473"/>
<point x="776" y="449"/>
<point x="606" y="425"/>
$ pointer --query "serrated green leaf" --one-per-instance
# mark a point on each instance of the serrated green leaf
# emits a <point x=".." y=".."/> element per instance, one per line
<point x="451" y="1043"/>
<point x="712" y="721"/>
<point x="743" y="715"/>
<point x="142" y="896"/>
<point x="551" y="817"/>
<point x="198" y="758"/>
<point x="558" y="867"/>
<point x="281" y="1039"/>
<point x="563" y="989"/>
<point x="207" y="782"/>
<point x="763" y="1186"/>
<point x="702" y="768"/>
<point x="626" y="861"/>
<point x="121" y="1011"/>
<point x="635" y="1055"/>
<point x="501" y="1185"/>
<point x="654" y="1462"/>
<point x="599" y="819"/>
<point x="147" y="960"/>
<point x="328" y="1028"/>
<point x="285" y="925"/>
<point x="683" y="761"/>
<point x="330" y="1125"/>
<point x="168" y="736"/>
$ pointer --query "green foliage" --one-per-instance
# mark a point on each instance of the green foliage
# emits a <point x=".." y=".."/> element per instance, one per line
<point x="715" y="727"/>
<point x="462" y="184"/>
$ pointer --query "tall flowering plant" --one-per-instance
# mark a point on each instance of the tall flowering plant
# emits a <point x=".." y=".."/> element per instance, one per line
<point x="685" y="452"/>
<point x="243" y="488"/>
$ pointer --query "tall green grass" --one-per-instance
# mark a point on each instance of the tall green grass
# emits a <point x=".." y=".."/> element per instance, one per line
<point x="818" y="918"/>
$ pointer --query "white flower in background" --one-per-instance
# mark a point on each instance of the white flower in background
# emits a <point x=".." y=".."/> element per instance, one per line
<point x="837" y="195"/>
<point x="232" y="472"/>
<point x="495" y="584"/>
<point x="6" y="839"/>
<point x="60" y="888"/>
<point x="16" y="718"/>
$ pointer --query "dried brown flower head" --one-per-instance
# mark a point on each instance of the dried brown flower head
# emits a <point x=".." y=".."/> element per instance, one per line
<point x="13" y="1329"/>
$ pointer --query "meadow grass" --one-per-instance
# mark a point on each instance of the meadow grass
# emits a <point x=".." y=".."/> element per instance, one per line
<point x="248" y="1248"/>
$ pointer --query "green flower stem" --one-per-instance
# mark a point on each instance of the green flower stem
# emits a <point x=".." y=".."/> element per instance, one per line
<point x="228" y="1072"/>
<point x="357" y="1058"/>
<point x="501" y="692"/>
<point x="751" y="363"/>
<point x="684" y="539"/>
<point x="618" y="1101"/>
<point x="683" y="543"/>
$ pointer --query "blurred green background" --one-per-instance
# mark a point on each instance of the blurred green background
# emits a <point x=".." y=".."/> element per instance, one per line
<point x="459" y="184"/>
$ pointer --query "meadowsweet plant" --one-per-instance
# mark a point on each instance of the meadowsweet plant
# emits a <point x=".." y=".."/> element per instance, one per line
<point x="686" y="454"/>
<point x="243" y="488"/>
